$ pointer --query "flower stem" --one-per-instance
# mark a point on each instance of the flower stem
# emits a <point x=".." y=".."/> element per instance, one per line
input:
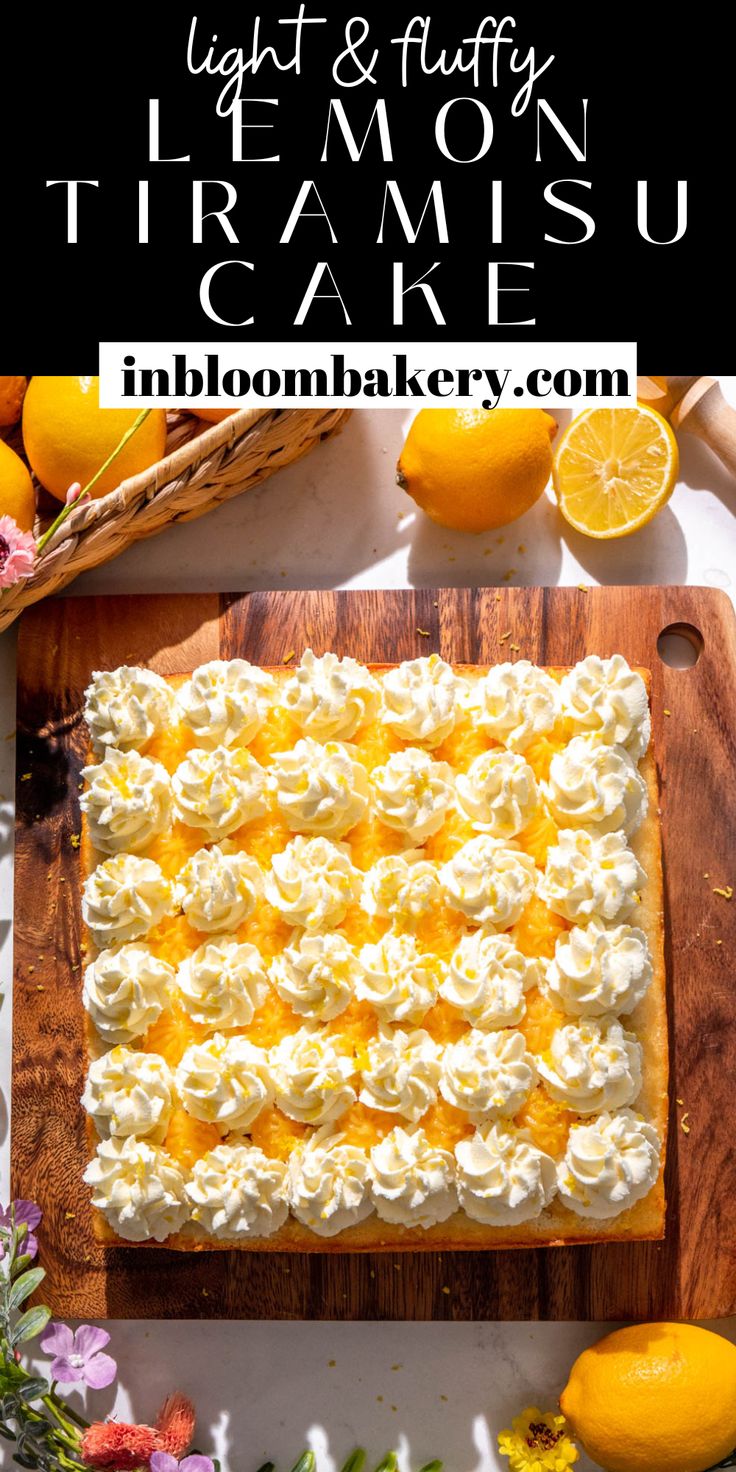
<point x="67" y="1410"/>
<point x="65" y="1417"/>
<point x="66" y="510"/>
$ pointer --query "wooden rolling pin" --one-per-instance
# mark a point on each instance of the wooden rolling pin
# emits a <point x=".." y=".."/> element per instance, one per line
<point x="696" y="405"/>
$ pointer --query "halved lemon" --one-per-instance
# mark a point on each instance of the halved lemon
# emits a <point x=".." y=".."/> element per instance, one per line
<point x="614" y="469"/>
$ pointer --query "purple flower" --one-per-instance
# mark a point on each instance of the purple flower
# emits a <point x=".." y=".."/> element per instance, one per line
<point x="164" y="1462"/>
<point x="27" y="1213"/>
<point x="77" y="1356"/>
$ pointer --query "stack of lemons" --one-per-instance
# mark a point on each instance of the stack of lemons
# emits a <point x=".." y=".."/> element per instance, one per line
<point x="66" y="438"/>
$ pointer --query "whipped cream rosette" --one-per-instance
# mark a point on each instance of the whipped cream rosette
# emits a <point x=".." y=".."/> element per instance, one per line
<point x="590" y="876"/>
<point x="599" y="968"/>
<point x="330" y="698"/>
<point x="218" y="888"/>
<point x="313" y="882"/>
<point x="608" y="699"/>
<point x="129" y="1093"/>
<point x="329" y="1187"/>
<point x="127" y="802"/>
<point x="487" y="979"/>
<point x="419" y="700"/>
<point x="595" y="787"/>
<point x="226" y="701"/>
<point x="319" y="787"/>
<point x="223" y="983"/>
<point x="502" y="1178"/>
<point x="412" y="793"/>
<point x="516" y="703"/>
<point x="138" y="1188"/>
<point x="412" y="1181"/>
<point x="610" y="1163"/>
<point x="400" y="1072"/>
<point x="317" y="974"/>
<point x="312" y="1077"/>
<point x="125" y="990"/>
<point x="237" y="1192"/>
<point x="218" y="790"/>
<point x="225" y="1081"/>
<point x="488" y="1074"/>
<point x="400" y="981"/>
<point x="124" y="898"/>
<point x="592" y="1064"/>
<point x="489" y="882"/>
<point x="499" y="792"/>
<point x="127" y="707"/>
<point x="402" y="887"/>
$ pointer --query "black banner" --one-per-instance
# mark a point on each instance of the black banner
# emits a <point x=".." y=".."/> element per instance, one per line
<point x="548" y="173"/>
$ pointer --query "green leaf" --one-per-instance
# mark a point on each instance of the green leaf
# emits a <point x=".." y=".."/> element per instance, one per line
<point x="34" y="1388"/>
<point x="21" y="1263"/>
<point x="355" y="1461"/>
<point x="24" y="1286"/>
<point x="6" y="1432"/>
<point x="306" y="1463"/>
<point x="30" y="1324"/>
<point x="434" y="1466"/>
<point x="388" y="1463"/>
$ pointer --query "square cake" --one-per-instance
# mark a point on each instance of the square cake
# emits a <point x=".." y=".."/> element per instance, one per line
<point x="374" y="956"/>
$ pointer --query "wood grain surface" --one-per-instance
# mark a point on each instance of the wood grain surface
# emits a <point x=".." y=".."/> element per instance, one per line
<point x="692" y="1274"/>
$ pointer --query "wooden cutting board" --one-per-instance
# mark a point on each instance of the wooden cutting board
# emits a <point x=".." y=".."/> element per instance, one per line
<point x="692" y="1274"/>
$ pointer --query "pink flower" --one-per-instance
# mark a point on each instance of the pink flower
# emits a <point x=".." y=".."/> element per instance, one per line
<point x="77" y="1356"/>
<point x="27" y="1214"/>
<point x="17" y="553"/>
<point x="74" y="494"/>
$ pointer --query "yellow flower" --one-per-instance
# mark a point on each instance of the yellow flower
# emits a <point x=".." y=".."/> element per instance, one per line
<point x="538" y="1443"/>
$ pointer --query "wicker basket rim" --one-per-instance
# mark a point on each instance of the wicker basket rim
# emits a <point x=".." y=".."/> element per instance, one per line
<point x="189" y="454"/>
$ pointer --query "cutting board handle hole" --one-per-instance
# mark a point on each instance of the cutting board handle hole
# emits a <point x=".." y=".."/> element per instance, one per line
<point x="680" y="646"/>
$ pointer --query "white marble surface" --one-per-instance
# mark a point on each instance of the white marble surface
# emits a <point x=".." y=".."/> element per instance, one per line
<point x="337" y="519"/>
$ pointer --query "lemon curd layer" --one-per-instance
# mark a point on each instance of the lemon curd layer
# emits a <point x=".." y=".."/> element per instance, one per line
<point x="480" y="768"/>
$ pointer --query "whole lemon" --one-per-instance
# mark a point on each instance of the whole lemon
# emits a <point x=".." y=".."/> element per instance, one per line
<point x="17" y="498"/>
<point x="11" y="398"/>
<point x="67" y="436"/>
<point x="475" y="469"/>
<point x="654" y="1398"/>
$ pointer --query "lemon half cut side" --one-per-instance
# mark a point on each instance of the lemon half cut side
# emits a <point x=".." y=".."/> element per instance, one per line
<point x="614" y="469"/>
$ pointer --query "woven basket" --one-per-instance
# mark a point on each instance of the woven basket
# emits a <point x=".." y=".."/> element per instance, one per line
<point x="204" y="466"/>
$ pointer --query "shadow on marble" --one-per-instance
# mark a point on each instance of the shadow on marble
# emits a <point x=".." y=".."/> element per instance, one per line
<point x="701" y="470"/>
<point x="266" y="1390"/>
<point x="656" y="554"/>
<point x="525" y="552"/>
<point x="319" y="523"/>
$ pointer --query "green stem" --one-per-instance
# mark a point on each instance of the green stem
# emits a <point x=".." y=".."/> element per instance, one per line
<point x="60" y="1412"/>
<point x="67" y="1410"/>
<point x="66" y="510"/>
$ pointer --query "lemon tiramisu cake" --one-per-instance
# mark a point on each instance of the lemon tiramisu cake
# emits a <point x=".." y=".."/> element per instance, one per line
<point x="374" y="955"/>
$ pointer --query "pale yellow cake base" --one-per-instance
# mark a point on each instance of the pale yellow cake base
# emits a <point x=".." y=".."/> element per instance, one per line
<point x="556" y="1226"/>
